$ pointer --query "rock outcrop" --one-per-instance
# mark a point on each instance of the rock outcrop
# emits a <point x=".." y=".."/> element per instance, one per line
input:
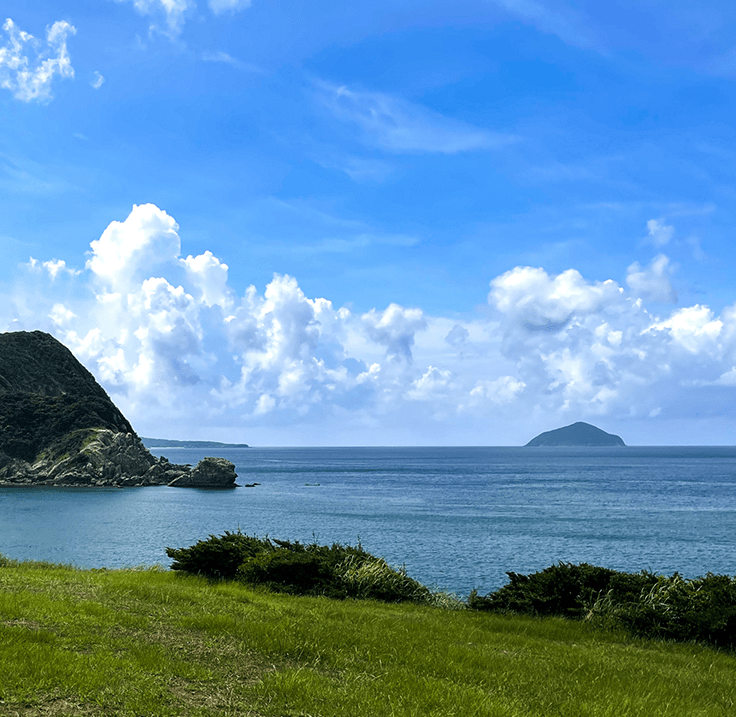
<point x="577" y="434"/>
<point x="208" y="473"/>
<point x="58" y="426"/>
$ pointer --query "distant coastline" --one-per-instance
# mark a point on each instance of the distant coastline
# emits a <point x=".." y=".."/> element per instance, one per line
<point x="170" y="443"/>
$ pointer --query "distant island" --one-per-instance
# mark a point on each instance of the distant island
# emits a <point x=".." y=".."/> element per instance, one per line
<point x="577" y="434"/>
<point x="169" y="443"/>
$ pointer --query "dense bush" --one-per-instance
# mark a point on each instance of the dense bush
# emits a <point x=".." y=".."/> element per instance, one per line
<point x="338" y="571"/>
<point x="672" y="608"/>
<point x="564" y="589"/>
<point x="218" y="557"/>
<point x="702" y="610"/>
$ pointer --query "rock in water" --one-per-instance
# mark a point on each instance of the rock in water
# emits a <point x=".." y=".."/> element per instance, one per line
<point x="209" y="473"/>
<point x="578" y="434"/>
<point x="58" y="426"/>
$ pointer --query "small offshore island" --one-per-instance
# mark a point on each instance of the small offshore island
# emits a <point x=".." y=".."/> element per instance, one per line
<point x="59" y="427"/>
<point x="577" y="434"/>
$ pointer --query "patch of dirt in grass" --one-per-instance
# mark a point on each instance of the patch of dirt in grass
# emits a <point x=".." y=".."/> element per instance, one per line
<point x="51" y="708"/>
<point x="220" y="699"/>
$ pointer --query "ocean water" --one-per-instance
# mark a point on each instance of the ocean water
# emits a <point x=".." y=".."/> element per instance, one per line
<point x="457" y="518"/>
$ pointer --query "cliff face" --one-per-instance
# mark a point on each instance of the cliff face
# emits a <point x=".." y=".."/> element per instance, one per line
<point x="58" y="425"/>
<point x="577" y="434"/>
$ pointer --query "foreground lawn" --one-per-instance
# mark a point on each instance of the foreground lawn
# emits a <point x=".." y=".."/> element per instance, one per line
<point x="159" y="643"/>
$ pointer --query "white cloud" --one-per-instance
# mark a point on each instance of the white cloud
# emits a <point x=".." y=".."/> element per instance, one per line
<point x="659" y="232"/>
<point x="98" y="80"/>
<point x="171" y="12"/>
<point x="54" y="267"/>
<point x="400" y="126"/>
<point x="220" y="6"/>
<point x="652" y="282"/>
<point x="394" y="328"/>
<point x="60" y="315"/>
<point x="544" y="303"/>
<point x="127" y="250"/>
<point x="501" y="390"/>
<point x="432" y="383"/>
<point x="28" y="66"/>
<point x="693" y="328"/>
<point x="176" y="346"/>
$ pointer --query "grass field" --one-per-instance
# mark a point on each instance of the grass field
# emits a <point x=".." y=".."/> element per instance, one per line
<point x="154" y="642"/>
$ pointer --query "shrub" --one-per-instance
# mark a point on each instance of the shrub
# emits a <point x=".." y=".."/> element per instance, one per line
<point x="700" y="610"/>
<point x="296" y="572"/>
<point x="337" y="571"/>
<point x="218" y="557"/>
<point x="671" y="608"/>
<point x="564" y="589"/>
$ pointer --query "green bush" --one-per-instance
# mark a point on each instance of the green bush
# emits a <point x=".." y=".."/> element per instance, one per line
<point x="564" y="589"/>
<point x="337" y="571"/>
<point x="699" y="610"/>
<point x="670" y="608"/>
<point x="298" y="573"/>
<point x="218" y="557"/>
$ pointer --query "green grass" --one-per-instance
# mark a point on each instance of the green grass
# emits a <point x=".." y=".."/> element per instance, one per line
<point x="153" y="642"/>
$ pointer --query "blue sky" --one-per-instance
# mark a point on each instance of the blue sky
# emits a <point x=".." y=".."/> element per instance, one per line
<point x="401" y="222"/>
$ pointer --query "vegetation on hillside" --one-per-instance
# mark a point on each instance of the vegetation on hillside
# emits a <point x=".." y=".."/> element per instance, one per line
<point x="46" y="395"/>
<point x="647" y="605"/>
<point x="336" y="571"/>
<point x="670" y="608"/>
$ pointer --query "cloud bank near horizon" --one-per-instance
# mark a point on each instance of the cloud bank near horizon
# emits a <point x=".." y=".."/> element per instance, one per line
<point x="177" y="347"/>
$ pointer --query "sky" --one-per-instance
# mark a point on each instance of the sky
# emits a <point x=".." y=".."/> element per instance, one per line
<point x="392" y="223"/>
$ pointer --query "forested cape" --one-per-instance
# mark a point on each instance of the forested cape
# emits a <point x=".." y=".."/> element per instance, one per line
<point x="47" y="396"/>
<point x="58" y="426"/>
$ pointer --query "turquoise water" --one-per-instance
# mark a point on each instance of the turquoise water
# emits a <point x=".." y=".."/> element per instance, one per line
<point x="458" y="518"/>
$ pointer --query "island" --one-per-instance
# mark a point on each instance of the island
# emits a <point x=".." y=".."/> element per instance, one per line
<point x="59" y="427"/>
<point x="196" y="445"/>
<point x="577" y="434"/>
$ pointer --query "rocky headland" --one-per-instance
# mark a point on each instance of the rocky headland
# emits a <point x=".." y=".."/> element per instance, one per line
<point x="58" y="426"/>
<point x="577" y="434"/>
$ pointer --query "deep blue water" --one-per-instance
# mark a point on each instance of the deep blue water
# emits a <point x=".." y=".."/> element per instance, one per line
<point x="458" y="518"/>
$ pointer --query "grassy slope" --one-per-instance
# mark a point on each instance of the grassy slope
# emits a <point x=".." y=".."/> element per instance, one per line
<point x="159" y="643"/>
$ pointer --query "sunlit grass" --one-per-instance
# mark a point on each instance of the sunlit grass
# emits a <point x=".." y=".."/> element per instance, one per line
<point x="142" y="642"/>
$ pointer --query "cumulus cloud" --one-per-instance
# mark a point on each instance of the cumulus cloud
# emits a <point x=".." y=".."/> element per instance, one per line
<point x="652" y="282"/>
<point x="543" y="303"/>
<point x="432" y="383"/>
<point x="394" y="328"/>
<point x="397" y="125"/>
<point x="28" y="66"/>
<point x="180" y="350"/>
<point x="98" y="80"/>
<point x="127" y="250"/>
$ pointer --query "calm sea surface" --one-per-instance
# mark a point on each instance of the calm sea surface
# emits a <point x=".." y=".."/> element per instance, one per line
<point x="458" y="518"/>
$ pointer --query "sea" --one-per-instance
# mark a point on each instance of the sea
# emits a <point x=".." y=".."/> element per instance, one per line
<point x="456" y="518"/>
